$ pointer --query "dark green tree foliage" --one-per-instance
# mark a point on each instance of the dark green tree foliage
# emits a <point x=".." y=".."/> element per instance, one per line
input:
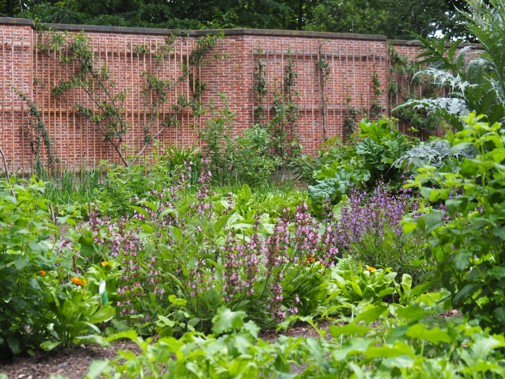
<point x="393" y="18"/>
<point x="396" y="19"/>
<point x="190" y="14"/>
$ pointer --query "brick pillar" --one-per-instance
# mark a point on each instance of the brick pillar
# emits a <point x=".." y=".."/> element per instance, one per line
<point x="16" y="73"/>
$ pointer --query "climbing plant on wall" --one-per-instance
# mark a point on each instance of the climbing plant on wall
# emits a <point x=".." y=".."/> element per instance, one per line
<point x="282" y="126"/>
<point x="323" y="69"/>
<point x="41" y="145"/>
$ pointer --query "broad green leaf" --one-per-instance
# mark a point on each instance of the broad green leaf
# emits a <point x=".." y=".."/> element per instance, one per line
<point x="141" y="211"/>
<point x="221" y="222"/>
<point x="408" y="226"/>
<point x="399" y="362"/>
<point x="499" y="313"/>
<point x="105" y="313"/>
<point x="453" y="205"/>
<point x="96" y="368"/>
<point x="497" y="272"/>
<point x="469" y="168"/>
<point x="464" y="294"/>
<point x="352" y="346"/>
<point x="411" y="313"/>
<point x="406" y="282"/>
<point x="434" y="335"/>
<point x="461" y="147"/>
<point x="324" y="189"/>
<point x="499" y="232"/>
<point x="425" y="192"/>
<point x="386" y="351"/>
<point x="372" y="314"/>
<point x="349" y="330"/>
<point x="147" y="228"/>
<point x="239" y="342"/>
<point x="50" y="345"/>
<point x="252" y="328"/>
<point x="14" y="344"/>
<point x="93" y="338"/>
<point x="127" y="334"/>
<point x="226" y="320"/>
<point x="483" y="346"/>
<point x="462" y="259"/>
<point x="281" y="364"/>
<point x="431" y="221"/>
<point x="177" y="301"/>
<point x="165" y="321"/>
<point x="437" y="194"/>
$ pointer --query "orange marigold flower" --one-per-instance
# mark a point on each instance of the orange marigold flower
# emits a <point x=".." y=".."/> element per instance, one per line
<point x="78" y="281"/>
<point x="42" y="272"/>
<point x="370" y="268"/>
<point x="105" y="263"/>
<point x="311" y="259"/>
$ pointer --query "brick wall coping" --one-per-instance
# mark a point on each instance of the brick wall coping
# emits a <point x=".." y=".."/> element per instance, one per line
<point x="404" y="42"/>
<point x="16" y="21"/>
<point x="195" y="33"/>
<point x="417" y="43"/>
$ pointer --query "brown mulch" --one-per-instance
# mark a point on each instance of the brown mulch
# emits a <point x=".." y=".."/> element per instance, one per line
<point x="71" y="363"/>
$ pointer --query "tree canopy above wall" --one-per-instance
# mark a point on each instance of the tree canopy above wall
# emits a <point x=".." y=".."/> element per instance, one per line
<point x="398" y="19"/>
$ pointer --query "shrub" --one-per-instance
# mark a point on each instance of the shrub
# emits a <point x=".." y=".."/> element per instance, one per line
<point x="467" y="242"/>
<point x="45" y="301"/>
<point x="247" y="159"/>
<point x="26" y="244"/>
<point x="376" y="147"/>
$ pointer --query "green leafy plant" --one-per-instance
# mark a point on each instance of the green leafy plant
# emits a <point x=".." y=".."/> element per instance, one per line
<point x="252" y="162"/>
<point x="26" y="244"/>
<point x="382" y="340"/>
<point x="218" y="141"/>
<point x="40" y="305"/>
<point x="436" y="152"/>
<point x="75" y="311"/>
<point x="467" y="242"/>
<point x="380" y="144"/>
<point x="369" y="157"/>
<point x="351" y="288"/>
<point x="246" y="159"/>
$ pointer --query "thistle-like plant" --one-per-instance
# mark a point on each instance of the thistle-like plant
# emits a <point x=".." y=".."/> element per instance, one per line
<point x="473" y="79"/>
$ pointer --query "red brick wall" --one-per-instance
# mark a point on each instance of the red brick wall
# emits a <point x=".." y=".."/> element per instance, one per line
<point x="352" y="60"/>
<point x="16" y="60"/>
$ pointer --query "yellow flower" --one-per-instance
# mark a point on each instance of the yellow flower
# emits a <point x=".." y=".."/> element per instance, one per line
<point x="105" y="263"/>
<point x="370" y="268"/>
<point x="42" y="272"/>
<point x="78" y="281"/>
